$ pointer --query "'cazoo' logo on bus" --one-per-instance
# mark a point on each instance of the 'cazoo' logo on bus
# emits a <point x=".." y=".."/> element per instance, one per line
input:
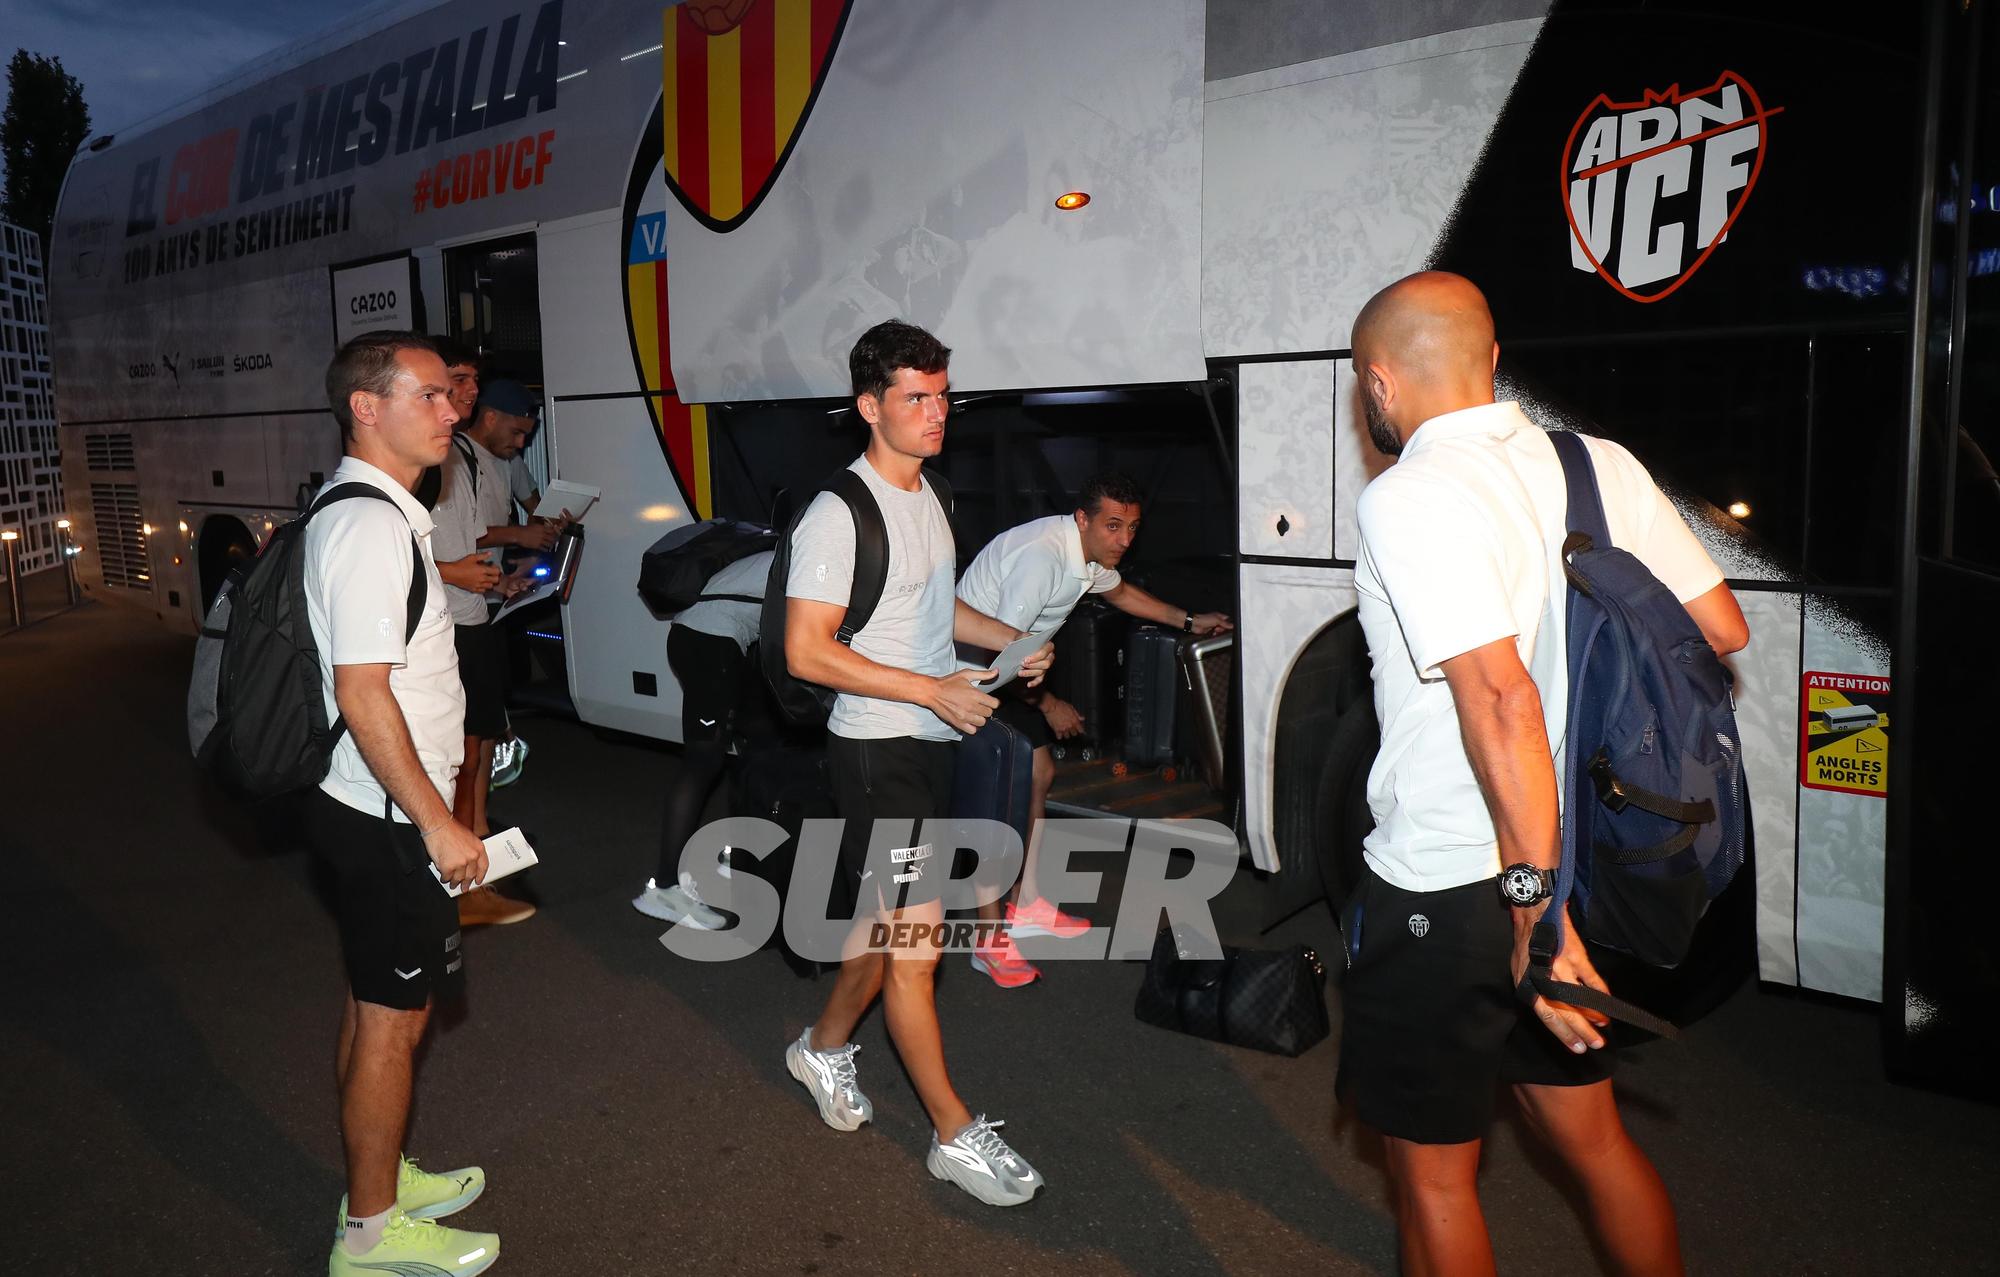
<point x="1651" y="187"/>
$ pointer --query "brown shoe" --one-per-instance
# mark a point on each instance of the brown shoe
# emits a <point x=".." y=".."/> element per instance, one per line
<point x="484" y="907"/>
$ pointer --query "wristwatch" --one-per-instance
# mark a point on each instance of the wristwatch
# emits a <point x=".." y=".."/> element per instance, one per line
<point x="1524" y="886"/>
<point x="1187" y="622"/>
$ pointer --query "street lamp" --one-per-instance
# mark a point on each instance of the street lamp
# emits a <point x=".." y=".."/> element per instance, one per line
<point x="13" y="544"/>
<point x="69" y="560"/>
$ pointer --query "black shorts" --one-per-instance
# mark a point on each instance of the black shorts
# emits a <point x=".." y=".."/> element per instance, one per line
<point x="398" y="928"/>
<point x="901" y="782"/>
<point x="1025" y="719"/>
<point x="482" y="668"/>
<point x="1430" y="1024"/>
<point x="709" y="669"/>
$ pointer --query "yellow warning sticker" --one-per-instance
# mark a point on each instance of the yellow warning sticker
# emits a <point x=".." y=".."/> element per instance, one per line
<point x="1844" y="732"/>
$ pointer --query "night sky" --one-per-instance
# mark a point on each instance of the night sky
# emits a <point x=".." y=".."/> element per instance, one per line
<point x="135" y="59"/>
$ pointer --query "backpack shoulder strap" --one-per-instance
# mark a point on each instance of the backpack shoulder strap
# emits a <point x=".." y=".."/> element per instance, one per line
<point x="463" y="447"/>
<point x="1586" y="505"/>
<point x="413" y="607"/>
<point x="871" y="552"/>
<point x="942" y="491"/>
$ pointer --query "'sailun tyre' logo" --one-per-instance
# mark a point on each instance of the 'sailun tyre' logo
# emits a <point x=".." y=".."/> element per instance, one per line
<point x="1651" y="188"/>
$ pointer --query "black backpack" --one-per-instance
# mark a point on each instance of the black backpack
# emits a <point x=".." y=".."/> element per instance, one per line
<point x="675" y="571"/>
<point x="805" y="702"/>
<point x="256" y="710"/>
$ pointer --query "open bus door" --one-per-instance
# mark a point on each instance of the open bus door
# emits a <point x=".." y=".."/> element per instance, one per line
<point x="1941" y="978"/>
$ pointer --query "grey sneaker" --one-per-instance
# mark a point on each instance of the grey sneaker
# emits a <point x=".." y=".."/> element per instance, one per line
<point x="679" y="903"/>
<point x="979" y="1161"/>
<point x="829" y="1075"/>
<point x="509" y="757"/>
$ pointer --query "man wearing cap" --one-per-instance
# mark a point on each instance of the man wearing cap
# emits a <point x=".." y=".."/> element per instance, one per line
<point x="474" y="524"/>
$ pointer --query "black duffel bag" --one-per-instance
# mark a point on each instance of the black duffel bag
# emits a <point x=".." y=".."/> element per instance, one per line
<point x="1267" y="999"/>
<point x="676" y="569"/>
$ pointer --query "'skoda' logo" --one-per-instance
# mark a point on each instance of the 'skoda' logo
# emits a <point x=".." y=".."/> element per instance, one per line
<point x="738" y="78"/>
<point x="1651" y="187"/>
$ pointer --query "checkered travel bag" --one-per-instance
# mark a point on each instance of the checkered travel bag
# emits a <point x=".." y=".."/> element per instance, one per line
<point x="1266" y="999"/>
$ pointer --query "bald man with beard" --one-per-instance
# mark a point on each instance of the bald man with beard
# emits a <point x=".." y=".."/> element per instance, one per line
<point x="1461" y="599"/>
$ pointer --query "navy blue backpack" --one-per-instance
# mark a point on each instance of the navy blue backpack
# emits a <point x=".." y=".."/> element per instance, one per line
<point x="1654" y="823"/>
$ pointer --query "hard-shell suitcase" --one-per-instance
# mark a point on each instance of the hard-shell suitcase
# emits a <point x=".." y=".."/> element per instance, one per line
<point x="1152" y="686"/>
<point x="788" y="786"/>
<point x="1089" y="673"/>
<point x="1205" y="689"/>
<point x="994" y="778"/>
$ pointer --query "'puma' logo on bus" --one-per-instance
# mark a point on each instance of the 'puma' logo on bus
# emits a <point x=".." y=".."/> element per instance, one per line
<point x="172" y="364"/>
<point x="1670" y="173"/>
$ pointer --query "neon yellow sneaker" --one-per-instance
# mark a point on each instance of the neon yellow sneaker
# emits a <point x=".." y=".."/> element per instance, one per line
<point x="418" y="1248"/>
<point x="423" y="1195"/>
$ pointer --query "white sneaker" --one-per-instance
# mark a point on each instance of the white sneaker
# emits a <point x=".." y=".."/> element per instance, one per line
<point x="979" y="1161"/>
<point x="680" y="903"/>
<point x="829" y="1075"/>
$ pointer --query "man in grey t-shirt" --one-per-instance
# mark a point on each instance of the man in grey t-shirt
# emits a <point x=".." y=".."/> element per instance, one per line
<point x="902" y="703"/>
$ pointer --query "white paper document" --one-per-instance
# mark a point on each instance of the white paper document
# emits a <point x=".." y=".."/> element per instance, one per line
<point x="507" y="853"/>
<point x="549" y="586"/>
<point x="565" y="494"/>
<point x="1008" y="664"/>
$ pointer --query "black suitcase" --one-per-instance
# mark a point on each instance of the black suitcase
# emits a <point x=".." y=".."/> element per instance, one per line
<point x="1089" y="673"/>
<point x="788" y="786"/>
<point x="995" y="777"/>
<point x="1204" y="718"/>
<point x="1152" y="686"/>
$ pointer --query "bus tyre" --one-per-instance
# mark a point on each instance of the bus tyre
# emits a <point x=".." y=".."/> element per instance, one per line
<point x="1342" y="817"/>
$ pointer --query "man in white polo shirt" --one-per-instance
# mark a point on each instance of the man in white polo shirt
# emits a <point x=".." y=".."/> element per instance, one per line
<point x="381" y="820"/>
<point x="1032" y="577"/>
<point x="475" y="524"/>
<point x="1462" y="596"/>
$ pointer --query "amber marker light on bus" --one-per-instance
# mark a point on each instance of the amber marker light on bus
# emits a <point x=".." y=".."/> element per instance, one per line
<point x="1072" y="201"/>
<point x="1739" y="509"/>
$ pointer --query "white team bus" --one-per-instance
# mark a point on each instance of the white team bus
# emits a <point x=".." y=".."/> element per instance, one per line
<point x="676" y="219"/>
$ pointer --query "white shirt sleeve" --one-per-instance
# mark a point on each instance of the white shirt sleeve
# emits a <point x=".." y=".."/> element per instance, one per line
<point x="822" y="564"/>
<point x="1431" y="551"/>
<point x="1104" y="580"/>
<point x="364" y="578"/>
<point x="1645" y="524"/>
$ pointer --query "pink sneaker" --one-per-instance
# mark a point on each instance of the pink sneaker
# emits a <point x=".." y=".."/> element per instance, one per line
<point x="1040" y="918"/>
<point x="1004" y="963"/>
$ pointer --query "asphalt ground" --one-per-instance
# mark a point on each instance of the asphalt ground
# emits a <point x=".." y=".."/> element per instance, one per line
<point x="173" y="983"/>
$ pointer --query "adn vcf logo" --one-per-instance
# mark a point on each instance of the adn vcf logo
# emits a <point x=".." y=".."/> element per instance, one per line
<point x="1652" y="187"/>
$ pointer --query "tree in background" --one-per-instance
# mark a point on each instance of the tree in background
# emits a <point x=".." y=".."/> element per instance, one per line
<point x="46" y="120"/>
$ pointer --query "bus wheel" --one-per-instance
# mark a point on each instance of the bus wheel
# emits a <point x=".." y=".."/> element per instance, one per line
<point x="1343" y="818"/>
<point x="225" y="546"/>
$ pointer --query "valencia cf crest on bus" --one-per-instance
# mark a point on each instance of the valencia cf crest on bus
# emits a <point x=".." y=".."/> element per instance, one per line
<point x="739" y="78"/>
<point x="1652" y="187"/>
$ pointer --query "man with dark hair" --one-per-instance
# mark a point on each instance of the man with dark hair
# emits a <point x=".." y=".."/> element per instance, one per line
<point x="380" y="820"/>
<point x="1031" y="577"/>
<point x="474" y="518"/>
<point x="901" y="706"/>
<point x="462" y="365"/>
<point x="1462" y="597"/>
